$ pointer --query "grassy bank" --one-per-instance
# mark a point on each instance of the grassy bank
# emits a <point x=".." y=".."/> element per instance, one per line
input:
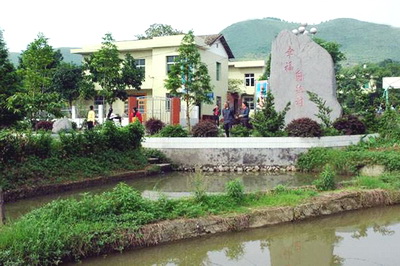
<point x="32" y="159"/>
<point x="71" y="229"/>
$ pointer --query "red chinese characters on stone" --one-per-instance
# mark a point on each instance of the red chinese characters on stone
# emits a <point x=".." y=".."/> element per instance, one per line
<point x="288" y="66"/>
<point x="289" y="52"/>
<point x="299" y="88"/>
<point x="299" y="100"/>
<point x="299" y="76"/>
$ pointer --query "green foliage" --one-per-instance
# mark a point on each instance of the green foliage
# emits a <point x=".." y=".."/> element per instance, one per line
<point x="190" y="72"/>
<point x="349" y="125"/>
<point x="111" y="72"/>
<point x="323" y="110"/>
<point x="389" y="125"/>
<point x="71" y="229"/>
<point x="304" y="127"/>
<point x="235" y="86"/>
<point x="154" y="125"/>
<point x="158" y="30"/>
<point x="235" y="190"/>
<point x="240" y="131"/>
<point x="205" y="128"/>
<point x="200" y="187"/>
<point x="326" y="180"/>
<point x="369" y="182"/>
<point x="37" y="67"/>
<point x="173" y="131"/>
<point x="268" y="122"/>
<point x="67" y="81"/>
<point x="8" y="86"/>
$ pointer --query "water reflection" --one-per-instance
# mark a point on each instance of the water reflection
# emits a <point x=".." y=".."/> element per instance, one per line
<point x="367" y="237"/>
<point x="173" y="182"/>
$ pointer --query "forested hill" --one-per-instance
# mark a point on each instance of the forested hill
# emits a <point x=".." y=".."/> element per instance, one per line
<point x="360" y="41"/>
<point x="65" y="51"/>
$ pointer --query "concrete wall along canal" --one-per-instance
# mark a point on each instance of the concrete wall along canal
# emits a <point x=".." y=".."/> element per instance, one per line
<point x="280" y="151"/>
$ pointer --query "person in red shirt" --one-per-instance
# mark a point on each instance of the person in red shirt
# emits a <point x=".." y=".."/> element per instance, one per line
<point x="136" y="115"/>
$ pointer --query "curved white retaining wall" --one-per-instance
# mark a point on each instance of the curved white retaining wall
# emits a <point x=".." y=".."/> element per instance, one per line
<point x="243" y="151"/>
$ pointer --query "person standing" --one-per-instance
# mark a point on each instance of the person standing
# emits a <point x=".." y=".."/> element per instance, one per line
<point x="216" y="114"/>
<point x="91" y="118"/>
<point x="244" y="115"/>
<point x="228" y="116"/>
<point x="136" y="115"/>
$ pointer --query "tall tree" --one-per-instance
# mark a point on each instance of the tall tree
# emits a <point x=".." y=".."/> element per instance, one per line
<point x="8" y="85"/>
<point x="158" y="30"/>
<point x="189" y="78"/>
<point x="38" y="63"/>
<point x="112" y="73"/>
<point x="67" y="81"/>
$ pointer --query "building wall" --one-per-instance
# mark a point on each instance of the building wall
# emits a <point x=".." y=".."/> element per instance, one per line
<point x="237" y="70"/>
<point x="155" y="52"/>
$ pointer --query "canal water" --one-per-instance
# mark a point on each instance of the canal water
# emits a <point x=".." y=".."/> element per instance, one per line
<point x="173" y="182"/>
<point x="366" y="238"/>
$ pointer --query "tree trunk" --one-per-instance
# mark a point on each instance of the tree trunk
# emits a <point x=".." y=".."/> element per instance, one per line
<point x="2" y="213"/>
<point x="188" y="114"/>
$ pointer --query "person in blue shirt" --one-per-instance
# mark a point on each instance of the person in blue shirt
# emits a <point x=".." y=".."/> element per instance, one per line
<point x="228" y="116"/>
<point x="244" y="115"/>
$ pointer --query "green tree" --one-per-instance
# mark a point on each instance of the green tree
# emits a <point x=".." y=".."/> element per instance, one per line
<point x="268" y="122"/>
<point x="189" y="78"/>
<point x="67" y="80"/>
<point x="112" y="73"/>
<point x="158" y="30"/>
<point x="267" y="71"/>
<point x="8" y="85"/>
<point x="37" y="66"/>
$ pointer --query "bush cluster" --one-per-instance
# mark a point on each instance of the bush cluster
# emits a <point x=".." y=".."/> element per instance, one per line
<point x="205" y="128"/>
<point x="304" y="127"/>
<point x="17" y="147"/>
<point x="154" y="125"/>
<point x="173" y="131"/>
<point x="44" y="125"/>
<point x="349" y="125"/>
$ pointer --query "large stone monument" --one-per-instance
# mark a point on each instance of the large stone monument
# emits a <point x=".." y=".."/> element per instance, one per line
<point x="298" y="65"/>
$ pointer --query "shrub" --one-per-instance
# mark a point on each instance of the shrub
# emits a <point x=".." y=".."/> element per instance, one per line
<point x="349" y="125"/>
<point x="304" y="127"/>
<point x="44" y="125"/>
<point x="205" y="128"/>
<point x="326" y="180"/>
<point x="235" y="190"/>
<point x="240" y="131"/>
<point x="268" y="122"/>
<point x="153" y="126"/>
<point x="389" y="125"/>
<point x="173" y="131"/>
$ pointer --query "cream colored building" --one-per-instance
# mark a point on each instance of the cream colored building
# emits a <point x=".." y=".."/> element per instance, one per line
<point x="248" y="72"/>
<point x="157" y="55"/>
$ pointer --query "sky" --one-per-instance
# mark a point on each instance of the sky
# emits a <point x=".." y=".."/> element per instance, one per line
<point x="77" y="23"/>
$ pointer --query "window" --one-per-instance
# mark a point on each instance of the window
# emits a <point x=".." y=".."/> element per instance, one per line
<point x="141" y="63"/>
<point x="218" y="74"/>
<point x="170" y="62"/>
<point x="249" y="99"/>
<point x="249" y="79"/>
